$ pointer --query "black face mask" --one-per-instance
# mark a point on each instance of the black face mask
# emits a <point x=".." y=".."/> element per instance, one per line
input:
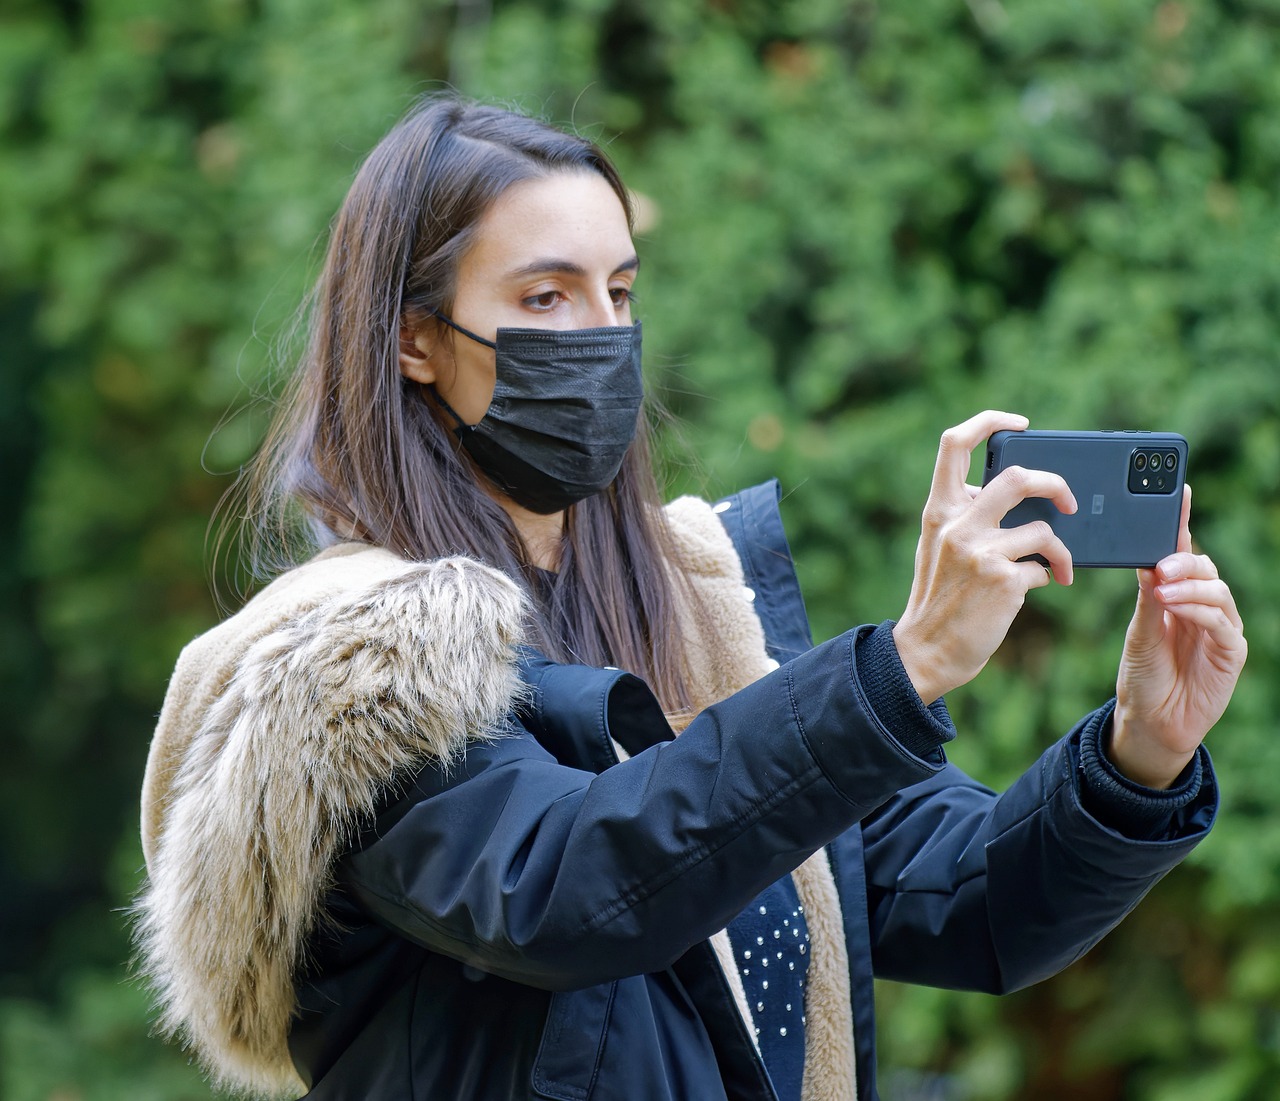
<point x="563" y="412"/>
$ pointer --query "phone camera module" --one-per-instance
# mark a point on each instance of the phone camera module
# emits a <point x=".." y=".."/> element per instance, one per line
<point x="1153" y="471"/>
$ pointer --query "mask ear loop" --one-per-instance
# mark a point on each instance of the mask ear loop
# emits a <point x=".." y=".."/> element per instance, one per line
<point x="463" y="426"/>
<point x="465" y="332"/>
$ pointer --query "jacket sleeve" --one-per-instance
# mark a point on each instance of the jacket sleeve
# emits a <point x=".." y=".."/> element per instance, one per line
<point x="559" y="877"/>
<point x="971" y="890"/>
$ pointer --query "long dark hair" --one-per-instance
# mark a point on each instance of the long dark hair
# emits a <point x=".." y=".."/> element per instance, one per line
<point x="355" y="451"/>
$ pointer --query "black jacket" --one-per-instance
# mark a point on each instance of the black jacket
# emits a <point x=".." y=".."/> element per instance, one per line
<point x="533" y="921"/>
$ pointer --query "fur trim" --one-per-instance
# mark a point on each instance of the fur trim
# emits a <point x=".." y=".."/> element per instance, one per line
<point x="280" y="730"/>
<point x="723" y="948"/>
<point x="721" y="661"/>
<point x="724" y="647"/>
<point x="830" y="1063"/>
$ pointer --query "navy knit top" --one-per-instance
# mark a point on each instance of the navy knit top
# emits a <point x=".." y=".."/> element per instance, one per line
<point x="771" y="948"/>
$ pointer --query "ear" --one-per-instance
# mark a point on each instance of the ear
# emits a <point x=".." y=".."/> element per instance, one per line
<point x="417" y="354"/>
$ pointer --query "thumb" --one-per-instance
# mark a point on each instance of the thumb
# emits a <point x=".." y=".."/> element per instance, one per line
<point x="1146" y="629"/>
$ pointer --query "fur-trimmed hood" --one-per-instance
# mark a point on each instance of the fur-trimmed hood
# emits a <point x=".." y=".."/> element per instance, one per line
<point x="283" y="725"/>
<point x="280" y="728"/>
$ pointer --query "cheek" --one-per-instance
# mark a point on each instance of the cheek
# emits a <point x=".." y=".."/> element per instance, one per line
<point x="470" y="388"/>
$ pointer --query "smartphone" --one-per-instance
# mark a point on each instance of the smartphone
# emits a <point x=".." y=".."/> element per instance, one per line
<point x="1128" y="486"/>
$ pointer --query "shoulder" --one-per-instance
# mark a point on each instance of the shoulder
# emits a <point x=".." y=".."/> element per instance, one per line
<point x="702" y="546"/>
<point x="279" y="732"/>
<point x="721" y="631"/>
<point x="738" y="529"/>
<point x="354" y="623"/>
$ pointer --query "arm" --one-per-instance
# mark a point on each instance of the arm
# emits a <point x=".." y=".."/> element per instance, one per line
<point x="559" y="877"/>
<point x="971" y="890"/>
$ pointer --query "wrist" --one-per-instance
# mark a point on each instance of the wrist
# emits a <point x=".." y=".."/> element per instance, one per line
<point x="887" y="688"/>
<point x="1140" y="758"/>
<point x="1119" y="803"/>
<point x="917" y="664"/>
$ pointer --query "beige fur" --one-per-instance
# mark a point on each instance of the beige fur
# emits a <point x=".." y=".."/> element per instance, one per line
<point x="830" y="1065"/>
<point x="279" y="730"/>
<point x="283" y="724"/>
<point x="723" y="948"/>
<point x="718" y="670"/>
<point x="728" y="652"/>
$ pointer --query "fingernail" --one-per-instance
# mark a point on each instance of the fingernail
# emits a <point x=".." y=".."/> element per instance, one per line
<point x="1171" y="570"/>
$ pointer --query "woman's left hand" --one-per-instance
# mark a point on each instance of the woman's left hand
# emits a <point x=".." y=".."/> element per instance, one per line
<point x="1182" y="657"/>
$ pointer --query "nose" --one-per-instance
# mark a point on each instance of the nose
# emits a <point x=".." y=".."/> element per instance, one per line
<point x="599" y="310"/>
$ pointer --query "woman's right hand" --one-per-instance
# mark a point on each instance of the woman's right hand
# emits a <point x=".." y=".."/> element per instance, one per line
<point x="968" y="582"/>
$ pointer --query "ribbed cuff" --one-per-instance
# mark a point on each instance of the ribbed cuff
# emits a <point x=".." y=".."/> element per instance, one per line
<point x="1142" y="813"/>
<point x="920" y="730"/>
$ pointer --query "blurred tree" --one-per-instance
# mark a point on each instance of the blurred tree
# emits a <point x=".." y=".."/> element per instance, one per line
<point x="861" y="223"/>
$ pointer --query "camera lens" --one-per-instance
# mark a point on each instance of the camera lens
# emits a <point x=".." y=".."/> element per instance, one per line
<point x="1140" y="461"/>
<point x="1171" y="460"/>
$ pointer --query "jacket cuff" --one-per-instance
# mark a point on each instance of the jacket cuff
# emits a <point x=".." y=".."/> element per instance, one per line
<point x="1138" y="812"/>
<point x="921" y="730"/>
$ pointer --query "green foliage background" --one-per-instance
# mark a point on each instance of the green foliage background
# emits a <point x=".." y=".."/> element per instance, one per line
<point x="865" y="221"/>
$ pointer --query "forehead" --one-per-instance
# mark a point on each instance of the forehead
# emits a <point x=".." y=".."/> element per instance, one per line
<point x="571" y="216"/>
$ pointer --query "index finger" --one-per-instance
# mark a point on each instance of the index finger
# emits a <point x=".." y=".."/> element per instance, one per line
<point x="1184" y="522"/>
<point x="951" y="472"/>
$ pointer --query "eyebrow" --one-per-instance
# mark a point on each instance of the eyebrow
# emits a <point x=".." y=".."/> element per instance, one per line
<point x="567" y="267"/>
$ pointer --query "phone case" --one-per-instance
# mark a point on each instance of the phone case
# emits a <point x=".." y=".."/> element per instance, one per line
<point x="1129" y="509"/>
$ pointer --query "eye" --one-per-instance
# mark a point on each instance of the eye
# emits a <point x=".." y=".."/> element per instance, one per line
<point x="547" y="300"/>
<point x="621" y="296"/>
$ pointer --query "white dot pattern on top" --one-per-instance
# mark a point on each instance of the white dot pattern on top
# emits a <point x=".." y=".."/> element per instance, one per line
<point x="770" y="942"/>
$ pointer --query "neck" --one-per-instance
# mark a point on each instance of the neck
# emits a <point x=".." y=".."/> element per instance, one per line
<point x="541" y="533"/>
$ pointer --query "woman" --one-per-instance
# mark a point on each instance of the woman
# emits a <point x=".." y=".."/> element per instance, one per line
<point x="416" y="820"/>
